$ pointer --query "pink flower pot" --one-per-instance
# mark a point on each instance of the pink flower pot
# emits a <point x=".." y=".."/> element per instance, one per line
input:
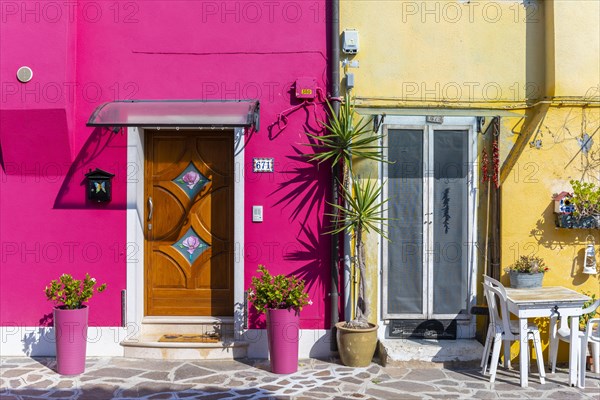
<point x="70" y="327"/>
<point x="283" y="332"/>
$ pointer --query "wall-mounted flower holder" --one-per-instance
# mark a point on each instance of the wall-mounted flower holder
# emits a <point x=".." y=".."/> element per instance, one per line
<point x="572" y="222"/>
<point x="99" y="185"/>
<point x="564" y="209"/>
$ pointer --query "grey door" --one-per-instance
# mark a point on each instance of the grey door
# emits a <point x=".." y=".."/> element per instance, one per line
<point x="426" y="263"/>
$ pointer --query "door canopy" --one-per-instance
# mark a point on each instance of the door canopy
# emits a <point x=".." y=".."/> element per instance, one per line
<point x="177" y="113"/>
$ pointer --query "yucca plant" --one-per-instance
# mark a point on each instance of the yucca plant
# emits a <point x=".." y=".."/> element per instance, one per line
<point x="347" y="137"/>
<point x="361" y="212"/>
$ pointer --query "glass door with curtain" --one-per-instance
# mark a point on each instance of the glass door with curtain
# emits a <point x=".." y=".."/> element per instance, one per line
<point x="427" y="263"/>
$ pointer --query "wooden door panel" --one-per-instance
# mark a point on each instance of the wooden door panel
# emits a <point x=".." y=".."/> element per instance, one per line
<point x="211" y="213"/>
<point x="211" y="149"/>
<point x="189" y="247"/>
<point x="173" y="212"/>
<point x="167" y="272"/>
<point x="168" y="151"/>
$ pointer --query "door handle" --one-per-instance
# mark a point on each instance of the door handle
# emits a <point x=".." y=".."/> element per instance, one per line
<point x="150" y="208"/>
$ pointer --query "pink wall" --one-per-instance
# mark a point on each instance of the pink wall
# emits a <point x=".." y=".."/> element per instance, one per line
<point x="103" y="51"/>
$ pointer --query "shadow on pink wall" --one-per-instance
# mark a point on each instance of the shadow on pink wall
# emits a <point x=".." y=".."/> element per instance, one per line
<point x="34" y="142"/>
<point x="97" y="152"/>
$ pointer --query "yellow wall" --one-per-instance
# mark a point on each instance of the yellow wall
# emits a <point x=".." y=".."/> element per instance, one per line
<point x="574" y="29"/>
<point x="435" y="50"/>
<point x="540" y="60"/>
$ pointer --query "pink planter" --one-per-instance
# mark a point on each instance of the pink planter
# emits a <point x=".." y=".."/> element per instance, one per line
<point x="70" y="327"/>
<point x="283" y="333"/>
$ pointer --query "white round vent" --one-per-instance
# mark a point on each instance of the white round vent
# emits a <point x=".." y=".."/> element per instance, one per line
<point x="24" y="74"/>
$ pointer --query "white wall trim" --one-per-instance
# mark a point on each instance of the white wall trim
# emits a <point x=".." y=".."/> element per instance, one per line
<point x="135" y="226"/>
<point x="313" y="343"/>
<point x="135" y="223"/>
<point x="239" y="312"/>
<point x="35" y="341"/>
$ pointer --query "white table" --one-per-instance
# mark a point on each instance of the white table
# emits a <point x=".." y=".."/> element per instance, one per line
<point x="546" y="302"/>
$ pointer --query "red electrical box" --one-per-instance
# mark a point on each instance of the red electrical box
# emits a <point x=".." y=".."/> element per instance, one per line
<point x="306" y="88"/>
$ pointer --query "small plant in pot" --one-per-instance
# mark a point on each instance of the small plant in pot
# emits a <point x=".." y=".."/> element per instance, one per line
<point x="281" y="298"/>
<point x="527" y="272"/>
<point x="71" y="320"/>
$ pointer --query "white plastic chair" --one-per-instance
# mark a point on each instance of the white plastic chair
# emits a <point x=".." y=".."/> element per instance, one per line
<point x="591" y="335"/>
<point x="505" y="330"/>
<point x="487" y="348"/>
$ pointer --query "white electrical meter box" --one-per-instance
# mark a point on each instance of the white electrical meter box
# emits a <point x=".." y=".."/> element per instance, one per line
<point x="350" y="41"/>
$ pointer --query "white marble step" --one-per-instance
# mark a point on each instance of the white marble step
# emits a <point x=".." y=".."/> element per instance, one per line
<point x="147" y="345"/>
<point x="187" y="325"/>
<point x="399" y="351"/>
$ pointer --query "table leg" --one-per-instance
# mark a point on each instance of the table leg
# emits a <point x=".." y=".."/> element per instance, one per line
<point x="573" y="351"/>
<point x="523" y="343"/>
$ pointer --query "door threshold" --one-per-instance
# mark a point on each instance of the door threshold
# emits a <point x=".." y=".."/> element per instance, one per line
<point x="174" y="319"/>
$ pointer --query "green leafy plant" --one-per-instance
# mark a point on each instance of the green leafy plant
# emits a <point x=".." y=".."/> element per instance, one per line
<point x="277" y="291"/>
<point x="529" y="265"/>
<point x="583" y="320"/>
<point x="585" y="199"/>
<point x="360" y="213"/>
<point x="349" y="137"/>
<point x="69" y="293"/>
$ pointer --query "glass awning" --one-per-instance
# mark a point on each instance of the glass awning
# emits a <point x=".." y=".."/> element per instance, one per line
<point x="177" y="113"/>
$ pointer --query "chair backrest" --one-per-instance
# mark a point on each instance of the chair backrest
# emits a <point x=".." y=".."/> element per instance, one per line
<point x="593" y="326"/>
<point x="487" y="280"/>
<point x="498" y="309"/>
<point x="492" y="304"/>
<point x="593" y="307"/>
<point x="564" y="322"/>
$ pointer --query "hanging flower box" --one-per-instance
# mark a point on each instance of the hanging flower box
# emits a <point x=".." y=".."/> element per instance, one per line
<point x="570" y="221"/>
<point x="580" y="209"/>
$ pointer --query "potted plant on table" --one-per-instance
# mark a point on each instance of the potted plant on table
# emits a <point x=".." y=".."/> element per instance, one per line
<point x="527" y="272"/>
<point x="71" y="320"/>
<point x="281" y="298"/>
<point x="349" y="138"/>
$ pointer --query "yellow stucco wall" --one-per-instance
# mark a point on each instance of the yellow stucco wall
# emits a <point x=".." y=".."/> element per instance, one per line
<point x="573" y="30"/>
<point x="436" y="50"/>
<point x="538" y="59"/>
<point x="527" y="219"/>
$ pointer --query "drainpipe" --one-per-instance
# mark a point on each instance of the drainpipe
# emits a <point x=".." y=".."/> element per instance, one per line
<point x="334" y="68"/>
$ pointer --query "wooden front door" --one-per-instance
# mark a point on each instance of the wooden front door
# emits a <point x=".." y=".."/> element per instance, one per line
<point x="189" y="223"/>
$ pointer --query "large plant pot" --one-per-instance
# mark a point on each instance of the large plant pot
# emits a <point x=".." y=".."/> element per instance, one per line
<point x="70" y="327"/>
<point x="283" y="332"/>
<point x="519" y="280"/>
<point x="356" y="346"/>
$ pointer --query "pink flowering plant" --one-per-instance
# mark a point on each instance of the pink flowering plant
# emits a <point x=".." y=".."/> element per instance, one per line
<point x="528" y="265"/>
<point x="277" y="292"/>
<point x="69" y="293"/>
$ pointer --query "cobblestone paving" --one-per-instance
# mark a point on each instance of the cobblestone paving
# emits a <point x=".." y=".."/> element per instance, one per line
<point x="123" y="378"/>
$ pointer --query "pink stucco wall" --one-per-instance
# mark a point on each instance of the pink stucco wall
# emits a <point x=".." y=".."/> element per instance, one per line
<point x="85" y="53"/>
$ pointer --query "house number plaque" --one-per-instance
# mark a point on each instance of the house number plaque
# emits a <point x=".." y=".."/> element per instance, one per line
<point x="263" y="164"/>
<point x="434" y="119"/>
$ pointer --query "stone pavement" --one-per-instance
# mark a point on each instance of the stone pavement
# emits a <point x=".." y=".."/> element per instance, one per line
<point x="126" y="378"/>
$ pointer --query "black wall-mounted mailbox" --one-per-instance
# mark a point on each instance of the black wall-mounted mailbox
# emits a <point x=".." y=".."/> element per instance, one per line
<point x="99" y="185"/>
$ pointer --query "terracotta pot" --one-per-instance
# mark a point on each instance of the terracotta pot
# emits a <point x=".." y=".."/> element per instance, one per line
<point x="283" y="332"/>
<point x="356" y="346"/>
<point x="70" y="327"/>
